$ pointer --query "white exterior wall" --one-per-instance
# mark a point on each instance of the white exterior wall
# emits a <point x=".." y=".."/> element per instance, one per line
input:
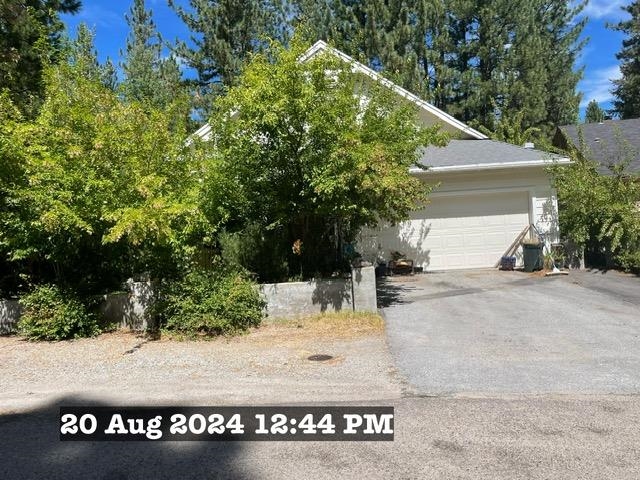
<point x="516" y="183"/>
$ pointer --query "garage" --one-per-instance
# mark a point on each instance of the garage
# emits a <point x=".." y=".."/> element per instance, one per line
<point x="465" y="231"/>
<point x="484" y="194"/>
<point x="457" y="230"/>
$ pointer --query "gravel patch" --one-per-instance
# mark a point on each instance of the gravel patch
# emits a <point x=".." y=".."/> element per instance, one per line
<point x="269" y="365"/>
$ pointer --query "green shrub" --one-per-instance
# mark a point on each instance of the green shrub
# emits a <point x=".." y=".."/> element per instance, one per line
<point x="211" y="303"/>
<point x="629" y="261"/>
<point x="48" y="313"/>
<point x="261" y="252"/>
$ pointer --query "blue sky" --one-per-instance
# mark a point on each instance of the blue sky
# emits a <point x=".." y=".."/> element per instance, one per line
<point x="598" y="57"/>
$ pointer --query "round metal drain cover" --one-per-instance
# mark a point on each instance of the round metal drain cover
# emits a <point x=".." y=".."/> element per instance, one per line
<point x="319" y="358"/>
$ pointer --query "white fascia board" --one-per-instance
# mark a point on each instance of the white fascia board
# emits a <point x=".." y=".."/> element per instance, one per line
<point x="321" y="46"/>
<point x="492" y="166"/>
<point x="204" y="132"/>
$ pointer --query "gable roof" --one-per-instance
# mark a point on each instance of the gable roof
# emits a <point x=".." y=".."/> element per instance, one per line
<point x="428" y="113"/>
<point x="473" y="155"/>
<point x="606" y="142"/>
<point x="470" y="151"/>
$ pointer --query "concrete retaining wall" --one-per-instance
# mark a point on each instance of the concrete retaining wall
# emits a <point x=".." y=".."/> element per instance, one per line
<point x="284" y="300"/>
<point x="9" y="315"/>
<point x="130" y="309"/>
<point x="297" y="299"/>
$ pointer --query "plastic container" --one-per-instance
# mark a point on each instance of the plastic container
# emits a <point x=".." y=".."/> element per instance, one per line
<point x="533" y="257"/>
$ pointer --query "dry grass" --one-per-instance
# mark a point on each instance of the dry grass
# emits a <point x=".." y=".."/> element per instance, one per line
<point x="339" y="324"/>
<point x="326" y="325"/>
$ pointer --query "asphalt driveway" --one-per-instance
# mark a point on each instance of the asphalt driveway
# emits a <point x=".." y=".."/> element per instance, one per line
<point x="491" y="332"/>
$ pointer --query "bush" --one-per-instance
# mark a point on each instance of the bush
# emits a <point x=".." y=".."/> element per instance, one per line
<point x="630" y="261"/>
<point x="263" y="253"/>
<point x="211" y="303"/>
<point x="599" y="212"/>
<point x="48" y="313"/>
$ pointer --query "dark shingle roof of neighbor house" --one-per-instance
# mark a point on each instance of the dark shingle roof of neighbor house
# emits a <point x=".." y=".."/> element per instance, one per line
<point x="483" y="154"/>
<point x="608" y="142"/>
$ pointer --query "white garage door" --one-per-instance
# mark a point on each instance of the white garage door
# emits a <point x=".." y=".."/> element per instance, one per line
<point x="470" y="231"/>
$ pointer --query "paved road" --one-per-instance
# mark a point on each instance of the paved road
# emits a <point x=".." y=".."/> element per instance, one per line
<point x="510" y="332"/>
<point x="452" y="438"/>
<point x="506" y="376"/>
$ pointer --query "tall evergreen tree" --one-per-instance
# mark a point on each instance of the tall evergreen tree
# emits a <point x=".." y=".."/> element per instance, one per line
<point x="29" y="34"/>
<point x="148" y="76"/>
<point x="627" y="88"/>
<point x="480" y="60"/>
<point x="562" y="33"/>
<point x="84" y="57"/>
<point x="223" y="33"/>
<point x="594" y="114"/>
<point x="82" y="54"/>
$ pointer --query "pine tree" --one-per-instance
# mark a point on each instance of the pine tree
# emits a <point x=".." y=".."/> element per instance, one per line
<point x="29" y="35"/>
<point x="594" y="114"/>
<point x="148" y="77"/>
<point x="479" y="60"/>
<point x="223" y="34"/>
<point x="109" y="75"/>
<point x="627" y="89"/>
<point x="82" y="56"/>
<point x="562" y="33"/>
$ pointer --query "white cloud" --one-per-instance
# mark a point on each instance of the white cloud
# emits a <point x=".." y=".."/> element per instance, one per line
<point x="597" y="85"/>
<point x="96" y="15"/>
<point x="609" y="9"/>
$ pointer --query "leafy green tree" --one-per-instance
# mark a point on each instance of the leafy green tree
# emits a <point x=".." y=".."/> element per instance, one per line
<point x="107" y="192"/>
<point x="12" y="178"/>
<point x="223" y="34"/>
<point x="29" y="35"/>
<point x="148" y="76"/>
<point x="594" y="114"/>
<point x="627" y="88"/>
<point x="310" y="162"/>
<point x="600" y="212"/>
<point x="510" y="129"/>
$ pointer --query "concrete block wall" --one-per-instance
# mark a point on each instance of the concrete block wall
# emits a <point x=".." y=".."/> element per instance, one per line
<point x="298" y="299"/>
<point x="9" y="315"/>
<point x="364" y="289"/>
<point x="130" y="309"/>
<point x="284" y="300"/>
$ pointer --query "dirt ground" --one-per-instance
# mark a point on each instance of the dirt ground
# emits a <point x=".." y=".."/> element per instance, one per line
<point x="268" y="365"/>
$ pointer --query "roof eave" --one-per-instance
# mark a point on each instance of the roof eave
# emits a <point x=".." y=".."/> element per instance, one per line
<point x="492" y="166"/>
<point x="321" y="46"/>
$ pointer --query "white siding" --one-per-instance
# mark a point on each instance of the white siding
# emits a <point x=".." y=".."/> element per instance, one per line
<point x="472" y="221"/>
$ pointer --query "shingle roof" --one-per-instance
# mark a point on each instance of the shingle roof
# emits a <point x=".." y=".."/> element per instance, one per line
<point x="481" y="154"/>
<point x="609" y="142"/>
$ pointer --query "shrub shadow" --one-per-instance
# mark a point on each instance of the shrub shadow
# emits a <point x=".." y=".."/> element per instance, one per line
<point x="32" y="449"/>
<point x="392" y="292"/>
<point x="332" y="293"/>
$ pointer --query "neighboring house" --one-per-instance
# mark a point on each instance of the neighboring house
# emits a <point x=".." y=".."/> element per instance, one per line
<point x="608" y="143"/>
<point x="488" y="194"/>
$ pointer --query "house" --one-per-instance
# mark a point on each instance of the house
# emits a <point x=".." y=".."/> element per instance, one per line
<point x="488" y="194"/>
<point x="608" y="143"/>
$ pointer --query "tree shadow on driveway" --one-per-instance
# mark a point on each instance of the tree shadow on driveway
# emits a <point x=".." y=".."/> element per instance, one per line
<point x="392" y="292"/>
<point x="32" y="449"/>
